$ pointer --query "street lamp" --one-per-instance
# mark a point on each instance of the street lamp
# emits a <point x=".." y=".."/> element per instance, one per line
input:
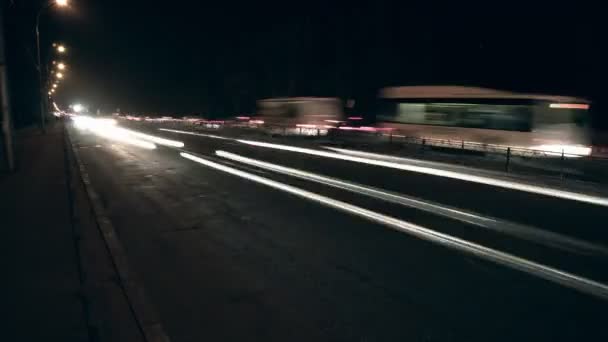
<point x="59" y="75"/>
<point x="61" y="49"/>
<point x="55" y="85"/>
<point x="58" y="3"/>
<point x="61" y="66"/>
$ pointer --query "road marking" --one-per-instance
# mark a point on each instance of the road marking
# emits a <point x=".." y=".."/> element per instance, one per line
<point x="522" y="231"/>
<point x="546" y="272"/>
<point x="441" y="173"/>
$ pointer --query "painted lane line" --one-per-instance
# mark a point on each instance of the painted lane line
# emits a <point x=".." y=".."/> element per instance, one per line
<point x="522" y="231"/>
<point x="441" y="173"/>
<point x="567" y="279"/>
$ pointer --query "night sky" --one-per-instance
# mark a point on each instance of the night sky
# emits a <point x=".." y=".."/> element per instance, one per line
<point x="216" y="58"/>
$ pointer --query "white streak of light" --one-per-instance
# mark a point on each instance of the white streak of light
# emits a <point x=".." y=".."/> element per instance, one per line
<point x="106" y="128"/>
<point x="442" y="173"/>
<point x="158" y="140"/>
<point x="527" y="232"/>
<point x="193" y="133"/>
<point x="546" y="272"/>
<point x="569" y="151"/>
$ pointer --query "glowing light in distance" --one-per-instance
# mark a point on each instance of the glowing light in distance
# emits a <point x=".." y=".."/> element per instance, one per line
<point x="61" y="3"/>
<point x="59" y="75"/>
<point x="569" y="105"/>
<point x="61" y="66"/>
<point x="61" y="49"/>
<point x="55" y="85"/>
<point x="542" y="271"/>
<point x="78" y="108"/>
<point x="243" y="118"/>
<point x="438" y="172"/>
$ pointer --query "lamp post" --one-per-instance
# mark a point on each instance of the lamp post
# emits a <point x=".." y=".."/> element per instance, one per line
<point x="60" y="3"/>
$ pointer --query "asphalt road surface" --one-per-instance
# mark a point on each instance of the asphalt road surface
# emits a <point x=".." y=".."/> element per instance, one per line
<point x="230" y="249"/>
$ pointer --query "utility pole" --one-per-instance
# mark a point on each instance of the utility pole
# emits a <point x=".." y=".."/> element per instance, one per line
<point x="7" y="123"/>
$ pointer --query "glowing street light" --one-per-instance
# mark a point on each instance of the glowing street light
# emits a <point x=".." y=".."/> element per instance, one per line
<point x="61" y="66"/>
<point x="60" y="49"/>
<point x="55" y="85"/>
<point x="59" y="75"/>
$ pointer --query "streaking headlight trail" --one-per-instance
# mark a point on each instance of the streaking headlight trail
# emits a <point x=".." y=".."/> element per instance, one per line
<point x="529" y="233"/>
<point x="157" y="140"/>
<point x="440" y="173"/>
<point x="194" y="133"/>
<point x="542" y="271"/>
<point x="107" y="128"/>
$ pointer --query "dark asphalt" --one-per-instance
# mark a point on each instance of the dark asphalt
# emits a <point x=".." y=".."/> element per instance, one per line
<point x="224" y="258"/>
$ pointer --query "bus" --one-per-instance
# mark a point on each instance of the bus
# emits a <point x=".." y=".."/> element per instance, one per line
<point x="487" y="117"/>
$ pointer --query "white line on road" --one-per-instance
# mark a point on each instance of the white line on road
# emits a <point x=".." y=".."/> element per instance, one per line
<point x="441" y="173"/>
<point x="522" y="231"/>
<point x="546" y="272"/>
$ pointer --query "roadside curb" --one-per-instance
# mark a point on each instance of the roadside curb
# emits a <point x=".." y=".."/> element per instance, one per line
<point x="145" y="315"/>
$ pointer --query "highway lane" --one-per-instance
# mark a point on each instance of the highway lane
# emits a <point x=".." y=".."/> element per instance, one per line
<point x="553" y="214"/>
<point x="226" y="258"/>
<point x="547" y="214"/>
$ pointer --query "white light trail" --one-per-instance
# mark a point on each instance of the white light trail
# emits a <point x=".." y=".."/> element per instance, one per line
<point x="107" y="128"/>
<point x="546" y="272"/>
<point x="568" y="151"/>
<point x="387" y="157"/>
<point x="157" y="140"/>
<point x="193" y="133"/>
<point x="442" y="173"/>
<point x="522" y="231"/>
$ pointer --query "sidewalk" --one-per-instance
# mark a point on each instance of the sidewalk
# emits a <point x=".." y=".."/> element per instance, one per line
<point x="58" y="280"/>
